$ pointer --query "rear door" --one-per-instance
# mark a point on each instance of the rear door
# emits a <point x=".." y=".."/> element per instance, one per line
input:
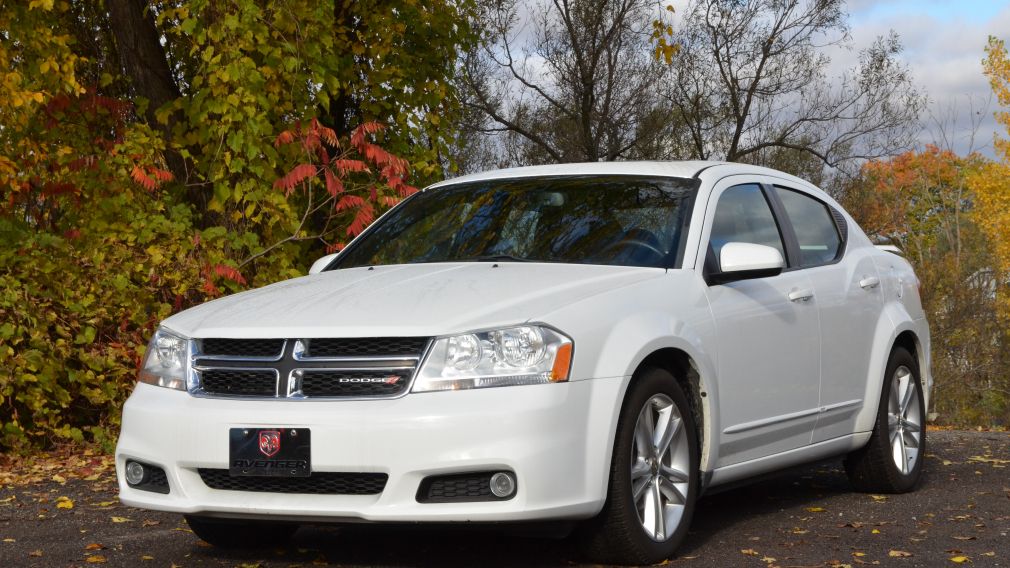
<point x="767" y="328"/>
<point x="847" y="288"/>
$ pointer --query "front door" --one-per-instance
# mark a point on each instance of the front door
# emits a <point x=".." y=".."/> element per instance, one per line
<point x="768" y="337"/>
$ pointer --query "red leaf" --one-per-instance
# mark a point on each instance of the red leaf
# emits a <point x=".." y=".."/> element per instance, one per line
<point x="162" y="175"/>
<point x="142" y="178"/>
<point x="361" y="220"/>
<point x="285" y="137"/>
<point x="335" y="247"/>
<point x="348" y="201"/>
<point x="298" y="174"/>
<point x="209" y="288"/>
<point x="358" y="134"/>
<point x="345" y="166"/>
<point x="229" y="273"/>
<point x="333" y="184"/>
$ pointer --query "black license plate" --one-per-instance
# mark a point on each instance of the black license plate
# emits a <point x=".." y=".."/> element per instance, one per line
<point x="279" y="452"/>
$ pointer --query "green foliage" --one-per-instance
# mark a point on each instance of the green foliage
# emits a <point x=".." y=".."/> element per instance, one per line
<point x="109" y="223"/>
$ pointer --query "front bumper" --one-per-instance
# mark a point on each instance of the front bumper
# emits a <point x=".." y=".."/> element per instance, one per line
<point x="557" y="438"/>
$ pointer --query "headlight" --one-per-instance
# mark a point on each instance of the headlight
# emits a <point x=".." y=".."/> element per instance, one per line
<point x="521" y="355"/>
<point x="166" y="363"/>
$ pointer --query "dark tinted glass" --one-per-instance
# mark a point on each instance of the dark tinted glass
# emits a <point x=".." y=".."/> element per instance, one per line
<point x="815" y="228"/>
<point x="743" y="216"/>
<point x="619" y="220"/>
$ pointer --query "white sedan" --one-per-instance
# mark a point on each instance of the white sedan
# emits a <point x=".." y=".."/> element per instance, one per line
<point x="598" y="343"/>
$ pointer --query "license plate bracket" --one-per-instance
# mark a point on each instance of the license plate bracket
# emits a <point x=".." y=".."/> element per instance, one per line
<point x="273" y="452"/>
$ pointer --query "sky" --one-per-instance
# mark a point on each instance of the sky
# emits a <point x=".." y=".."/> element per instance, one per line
<point x="944" y="45"/>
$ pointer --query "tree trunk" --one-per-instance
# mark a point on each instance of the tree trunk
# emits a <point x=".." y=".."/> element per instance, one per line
<point x="141" y="53"/>
<point x="143" y="60"/>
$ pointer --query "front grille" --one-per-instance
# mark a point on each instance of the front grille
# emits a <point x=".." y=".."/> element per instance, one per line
<point x="239" y="382"/>
<point x="354" y="383"/>
<point x="365" y="347"/>
<point x="457" y="488"/>
<point x="370" y="367"/>
<point x="319" y="483"/>
<point x="215" y="347"/>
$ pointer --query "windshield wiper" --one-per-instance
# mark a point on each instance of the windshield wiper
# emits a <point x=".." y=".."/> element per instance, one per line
<point x="497" y="258"/>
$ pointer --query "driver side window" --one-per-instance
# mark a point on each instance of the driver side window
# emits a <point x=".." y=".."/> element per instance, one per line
<point x="742" y="215"/>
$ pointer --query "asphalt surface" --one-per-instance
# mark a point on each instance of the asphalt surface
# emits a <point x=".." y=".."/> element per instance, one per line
<point x="808" y="517"/>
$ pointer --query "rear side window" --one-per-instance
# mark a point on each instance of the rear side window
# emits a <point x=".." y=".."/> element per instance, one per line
<point x="815" y="228"/>
<point x="743" y="216"/>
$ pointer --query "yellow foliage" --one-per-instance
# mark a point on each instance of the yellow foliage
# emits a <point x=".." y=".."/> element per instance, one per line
<point x="992" y="183"/>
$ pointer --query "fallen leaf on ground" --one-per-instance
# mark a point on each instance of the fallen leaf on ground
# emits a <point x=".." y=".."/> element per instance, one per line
<point x="748" y="551"/>
<point x="816" y="510"/>
<point x="150" y="523"/>
<point x="106" y="503"/>
<point x="59" y="479"/>
<point x="9" y="540"/>
<point x="147" y="557"/>
<point x="94" y="546"/>
<point x="35" y="554"/>
<point x="64" y="503"/>
<point x="879" y="498"/>
<point x="121" y="520"/>
<point x="899" y="554"/>
<point x="960" y="559"/>
<point x="96" y="559"/>
<point x="965" y="538"/>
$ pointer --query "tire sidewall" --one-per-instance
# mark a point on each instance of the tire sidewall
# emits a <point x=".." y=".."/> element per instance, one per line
<point x="649" y="383"/>
<point x="900" y="481"/>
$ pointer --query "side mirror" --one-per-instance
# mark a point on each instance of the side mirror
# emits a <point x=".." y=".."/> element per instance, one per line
<point x="742" y="261"/>
<point x="320" y="264"/>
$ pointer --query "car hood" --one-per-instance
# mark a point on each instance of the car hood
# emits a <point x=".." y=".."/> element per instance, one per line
<point x="403" y="300"/>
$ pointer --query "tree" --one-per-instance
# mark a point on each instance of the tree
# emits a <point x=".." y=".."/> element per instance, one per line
<point x="157" y="154"/>
<point x="751" y="76"/>
<point x="992" y="184"/>
<point x="568" y="80"/>
<point x="924" y="201"/>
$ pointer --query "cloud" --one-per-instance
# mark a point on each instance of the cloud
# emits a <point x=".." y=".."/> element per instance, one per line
<point x="944" y="46"/>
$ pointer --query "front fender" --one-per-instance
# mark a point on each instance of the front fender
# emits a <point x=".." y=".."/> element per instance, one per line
<point x="615" y="343"/>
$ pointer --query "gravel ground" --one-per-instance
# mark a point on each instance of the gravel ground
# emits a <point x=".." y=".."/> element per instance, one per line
<point x="806" y="517"/>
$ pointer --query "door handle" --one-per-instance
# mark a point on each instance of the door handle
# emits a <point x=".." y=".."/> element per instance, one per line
<point x="869" y="282"/>
<point x="801" y="295"/>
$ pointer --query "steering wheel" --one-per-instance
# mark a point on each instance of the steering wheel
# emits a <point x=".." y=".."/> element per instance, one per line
<point x="634" y="242"/>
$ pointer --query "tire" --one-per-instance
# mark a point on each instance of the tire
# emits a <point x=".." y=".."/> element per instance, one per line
<point x="229" y="533"/>
<point x="626" y="531"/>
<point x="899" y="434"/>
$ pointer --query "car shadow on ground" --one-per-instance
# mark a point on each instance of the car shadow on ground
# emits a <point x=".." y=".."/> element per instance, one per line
<point x="718" y="516"/>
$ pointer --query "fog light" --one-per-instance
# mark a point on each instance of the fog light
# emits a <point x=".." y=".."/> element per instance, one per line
<point x="134" y="473"/>
<point x="503" y="484"/>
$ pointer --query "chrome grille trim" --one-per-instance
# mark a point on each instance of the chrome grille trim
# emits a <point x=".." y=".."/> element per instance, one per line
<point x="291" y="364"/>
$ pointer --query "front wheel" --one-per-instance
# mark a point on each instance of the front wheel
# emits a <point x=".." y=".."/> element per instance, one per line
<point x="653" y="476"/>
<point x="891" y="462"/>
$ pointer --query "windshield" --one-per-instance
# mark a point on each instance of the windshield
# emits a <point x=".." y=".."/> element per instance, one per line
<point x="617" y="220"/>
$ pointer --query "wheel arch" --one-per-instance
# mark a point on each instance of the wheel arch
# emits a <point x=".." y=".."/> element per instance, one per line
<point x="693" y="379"/>
<point x="896" y="328"/>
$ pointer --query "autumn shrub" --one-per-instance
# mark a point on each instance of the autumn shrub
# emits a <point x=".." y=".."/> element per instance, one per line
<point x="926" y="202"/>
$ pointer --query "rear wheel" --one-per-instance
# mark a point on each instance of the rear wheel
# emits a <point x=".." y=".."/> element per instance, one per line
<point x="230" y="533"/>
<point x="653" y="477"/>
<point x="892" y="460"/>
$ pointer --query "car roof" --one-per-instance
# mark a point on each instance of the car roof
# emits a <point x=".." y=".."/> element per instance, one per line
<point x="681" y="169"/>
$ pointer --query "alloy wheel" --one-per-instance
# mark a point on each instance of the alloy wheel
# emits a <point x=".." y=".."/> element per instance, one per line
<point x="660" y="465"/>
<point x="904" y="419"/>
